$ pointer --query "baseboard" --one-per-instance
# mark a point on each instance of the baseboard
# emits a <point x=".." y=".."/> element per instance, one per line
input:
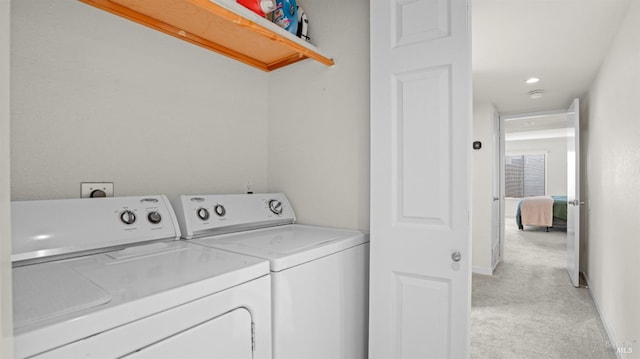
<point x="482" y="270"/>
<point x="607" y="328"/>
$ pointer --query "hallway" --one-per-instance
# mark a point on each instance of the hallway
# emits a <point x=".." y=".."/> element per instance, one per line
<point x="529" y="309"/>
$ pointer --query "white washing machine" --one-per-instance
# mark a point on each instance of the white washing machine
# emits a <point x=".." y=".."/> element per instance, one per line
<point x="319" y="276"/>
<point x="106" y="278"/>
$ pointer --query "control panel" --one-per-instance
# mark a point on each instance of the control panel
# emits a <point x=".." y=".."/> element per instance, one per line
<point x="60" y="227"/>
<point x="201" y="215"/>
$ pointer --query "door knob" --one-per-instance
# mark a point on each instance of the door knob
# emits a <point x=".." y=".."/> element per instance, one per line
<point x="496" y="198"/>
<point x="456" y="256"/>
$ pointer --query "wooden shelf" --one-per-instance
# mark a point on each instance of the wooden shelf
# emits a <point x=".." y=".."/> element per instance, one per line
<point x="222" y="26"/>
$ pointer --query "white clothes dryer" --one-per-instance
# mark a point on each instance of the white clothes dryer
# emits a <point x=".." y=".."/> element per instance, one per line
<point x="106" y="278"/>
<point x="319" y="276"/>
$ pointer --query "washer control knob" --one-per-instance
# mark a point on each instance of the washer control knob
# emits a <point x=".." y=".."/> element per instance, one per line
<point x="154" y="217"/>
<point x="220" y="210"/>
<point x="275" y="206"/>
<point x="202" y="213"/>
<point x="127" y="217"/>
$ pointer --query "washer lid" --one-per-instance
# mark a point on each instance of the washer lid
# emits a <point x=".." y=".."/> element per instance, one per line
<point x="48" y="290"/>
<point x="287" y="246"/>
<point x="102" y="291"/>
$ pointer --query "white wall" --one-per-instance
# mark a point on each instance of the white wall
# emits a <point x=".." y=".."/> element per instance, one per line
<point x="319" y="121"/>
<point x="510" y="208"/>
<point x="482" y="190"/>
<point x="6" y="322"/>
<point x="99" y="98"/>
<point x="613" y="185"/>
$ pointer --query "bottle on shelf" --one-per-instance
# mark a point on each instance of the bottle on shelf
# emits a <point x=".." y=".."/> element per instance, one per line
<point x="260" y="7"/>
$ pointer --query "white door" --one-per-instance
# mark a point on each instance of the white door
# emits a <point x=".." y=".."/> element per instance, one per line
<point x="497" y="207"/>
<point x="420" y="143"/>
<point x="573" y="192"/>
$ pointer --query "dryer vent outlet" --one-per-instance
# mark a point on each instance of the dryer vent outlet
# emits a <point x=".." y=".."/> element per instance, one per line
<point x="96" y="189"/>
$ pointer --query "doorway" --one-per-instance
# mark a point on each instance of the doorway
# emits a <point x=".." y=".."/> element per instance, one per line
<point x="534" y="158"/>
<point x="528" y="308"/>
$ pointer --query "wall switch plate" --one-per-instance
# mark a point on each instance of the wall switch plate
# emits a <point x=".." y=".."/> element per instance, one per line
<point x="96" y="189"/>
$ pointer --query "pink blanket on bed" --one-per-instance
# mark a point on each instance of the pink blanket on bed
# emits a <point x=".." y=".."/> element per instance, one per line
<point x="537" y="211"/>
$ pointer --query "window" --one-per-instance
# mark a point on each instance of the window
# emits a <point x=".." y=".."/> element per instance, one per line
<point x="525" y="175"/>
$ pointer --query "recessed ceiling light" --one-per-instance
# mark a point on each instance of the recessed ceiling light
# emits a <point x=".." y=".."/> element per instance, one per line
<point x="532" y="80"/>
<point x="535" y="94"/>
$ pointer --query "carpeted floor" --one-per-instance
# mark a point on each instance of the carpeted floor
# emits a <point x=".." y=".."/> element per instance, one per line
<point x="529" y="309"/>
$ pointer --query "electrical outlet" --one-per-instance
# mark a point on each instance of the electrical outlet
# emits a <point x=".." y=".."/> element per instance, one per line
<point x="96" y="189"/>
<point x="248" y="187"/>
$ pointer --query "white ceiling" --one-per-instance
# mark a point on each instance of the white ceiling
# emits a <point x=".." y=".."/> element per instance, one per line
<point x="563" y="42"/>
<point x="537" y="123"/>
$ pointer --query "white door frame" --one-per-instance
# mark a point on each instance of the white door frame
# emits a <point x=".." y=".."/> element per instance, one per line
<point x="573" y="192"/>
<point x="498" y="193"/>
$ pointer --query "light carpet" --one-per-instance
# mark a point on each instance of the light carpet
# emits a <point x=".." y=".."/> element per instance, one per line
<point x="529" y="309"/>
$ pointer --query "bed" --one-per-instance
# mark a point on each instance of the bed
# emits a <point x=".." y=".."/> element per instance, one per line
<point x="559" y="212"/>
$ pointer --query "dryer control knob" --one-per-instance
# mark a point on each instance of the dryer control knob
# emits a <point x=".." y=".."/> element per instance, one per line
<point x="202" y="213"/>
<point x="127" y="217"/>
<point x="275" y="206"/>
<point x="154" y="217"/>
<point x="220" y="210"/>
